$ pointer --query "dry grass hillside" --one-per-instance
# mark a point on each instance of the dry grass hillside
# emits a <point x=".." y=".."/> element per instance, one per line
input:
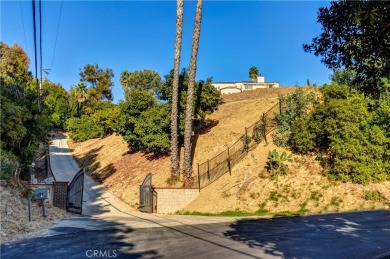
<point x="249" y="188"/>
<point x="14" y="214"/>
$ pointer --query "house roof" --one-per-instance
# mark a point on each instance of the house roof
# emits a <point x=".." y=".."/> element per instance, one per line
<point x="230" y="87"/>
<point x="244" y="82"/>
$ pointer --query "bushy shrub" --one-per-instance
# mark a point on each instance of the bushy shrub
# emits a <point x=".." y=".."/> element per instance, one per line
<point x="343" y="127"/>
<point x="303" y="137"/>
<point x="145" y="125"/>
<point x="152" y="130"/>
<point x="374" y="196"/>
<point x="294" y="106"/>
<point x="82" y="129"/>
<point x="102" y="122"/>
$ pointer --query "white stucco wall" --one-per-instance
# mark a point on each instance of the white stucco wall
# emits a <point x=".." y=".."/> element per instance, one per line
<point x="230" y="91"/>
<point x="231" y="87"/>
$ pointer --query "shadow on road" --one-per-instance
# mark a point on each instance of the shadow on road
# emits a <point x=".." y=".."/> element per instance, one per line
<point x="347" y="235"/>
<point x="87" y="238"/>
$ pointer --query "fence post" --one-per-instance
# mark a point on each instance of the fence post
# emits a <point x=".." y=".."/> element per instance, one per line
<point x="264" y="129"/>
<point x="198" y="177"/>
<point x="208" y="169"/>
<point x="280" y="107"/>
<point x="229" y="166"/>
<point x="246" y="140"/>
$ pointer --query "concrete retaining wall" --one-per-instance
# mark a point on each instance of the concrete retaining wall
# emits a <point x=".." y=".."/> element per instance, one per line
<point x="170" y="200"/>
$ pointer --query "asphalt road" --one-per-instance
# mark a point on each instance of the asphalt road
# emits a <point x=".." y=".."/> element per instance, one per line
<point x="136" y="235"/>
<point x="63" y="165"/>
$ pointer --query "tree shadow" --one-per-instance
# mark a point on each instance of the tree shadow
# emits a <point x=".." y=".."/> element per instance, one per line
<point x="321" y="236"/>
<point x="205" y="126"/>
<point x="152" y="156"/>
<point x="103" y="174"/>
<point x="83" y="239"/>
<point x="82" y="236"/>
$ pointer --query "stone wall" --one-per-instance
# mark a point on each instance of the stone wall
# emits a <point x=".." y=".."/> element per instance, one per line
<point x="170" y="200"/>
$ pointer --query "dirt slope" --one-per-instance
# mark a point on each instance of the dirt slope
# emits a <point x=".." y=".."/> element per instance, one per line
<point x="14" y="217"/>
<point x="304" y="188"/>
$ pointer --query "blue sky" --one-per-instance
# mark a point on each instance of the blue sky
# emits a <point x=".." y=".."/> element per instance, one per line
<point x="235" y="35"/>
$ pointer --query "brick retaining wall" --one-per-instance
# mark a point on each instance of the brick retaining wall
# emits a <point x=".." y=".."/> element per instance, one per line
<point x="60" y="194"/>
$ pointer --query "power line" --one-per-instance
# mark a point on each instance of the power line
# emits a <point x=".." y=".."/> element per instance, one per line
<point x="24" y="31"/>
<point x="35" y="53"/>
<point x="55" y="42"/>
<point x="35" y="40"/>
<point x="40" y="39"/>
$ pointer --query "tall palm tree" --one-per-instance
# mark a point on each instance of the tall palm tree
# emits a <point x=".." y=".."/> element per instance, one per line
<point x="175" y="159"/>
<point x="81" y="93"/>
<point x="253" y="73"/>
<point x="191" y="82"/>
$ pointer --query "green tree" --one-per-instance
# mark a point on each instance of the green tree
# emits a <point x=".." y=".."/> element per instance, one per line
<point x="344" y="128"/>
<point x="294" y="106"/>
<point x="189" y="108"/>
<point x="343" y="77"/>
<point x="137" y="102"/>
<point x="78" y="96"/>
<point x="355" y="36"/>
<point x="99" y="124"/>
<point x="56" y="103"/>
<point x="94" y="77"/>
<point x="206" y="97"/>
<point x="148" y="80"/>
<point x="175" y="158"/>
<point x="22" y="127"/>
<point x="253" y="73"/>
<point x="152" y="130"/>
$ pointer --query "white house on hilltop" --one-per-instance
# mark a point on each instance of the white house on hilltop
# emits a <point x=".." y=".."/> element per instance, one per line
<point x="238" y="87"/>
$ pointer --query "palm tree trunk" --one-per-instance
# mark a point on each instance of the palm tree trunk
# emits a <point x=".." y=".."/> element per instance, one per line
<point x="188" y="119"/>
<point x="175" y="163"/>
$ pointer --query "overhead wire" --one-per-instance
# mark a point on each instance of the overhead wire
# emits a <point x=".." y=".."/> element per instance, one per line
<point x="35" y="41"/>
<point x="40" y="39"/>
<point x="35" y="54"/>
<point x="55" y="42"/>
<point x="24" y="31"/>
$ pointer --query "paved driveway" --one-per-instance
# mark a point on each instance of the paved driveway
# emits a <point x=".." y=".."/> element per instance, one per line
<point x="136" y="235"/>
<point x="97" y="201"/>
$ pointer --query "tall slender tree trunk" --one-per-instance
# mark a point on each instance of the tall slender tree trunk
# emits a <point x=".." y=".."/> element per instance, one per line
<point x="175" y="158"/>
<point x="189" y="109"/>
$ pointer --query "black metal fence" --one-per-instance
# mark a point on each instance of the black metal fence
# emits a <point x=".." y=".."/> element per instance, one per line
<point x="74" y="201"/>
<point x="41" y="170"/>
<point x="219" y="165"/>
<point x="147" y="196"/>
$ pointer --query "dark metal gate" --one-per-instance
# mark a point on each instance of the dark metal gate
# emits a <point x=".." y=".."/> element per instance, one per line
<point x="74" y="201"/>
<point x="147" y="196"/>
